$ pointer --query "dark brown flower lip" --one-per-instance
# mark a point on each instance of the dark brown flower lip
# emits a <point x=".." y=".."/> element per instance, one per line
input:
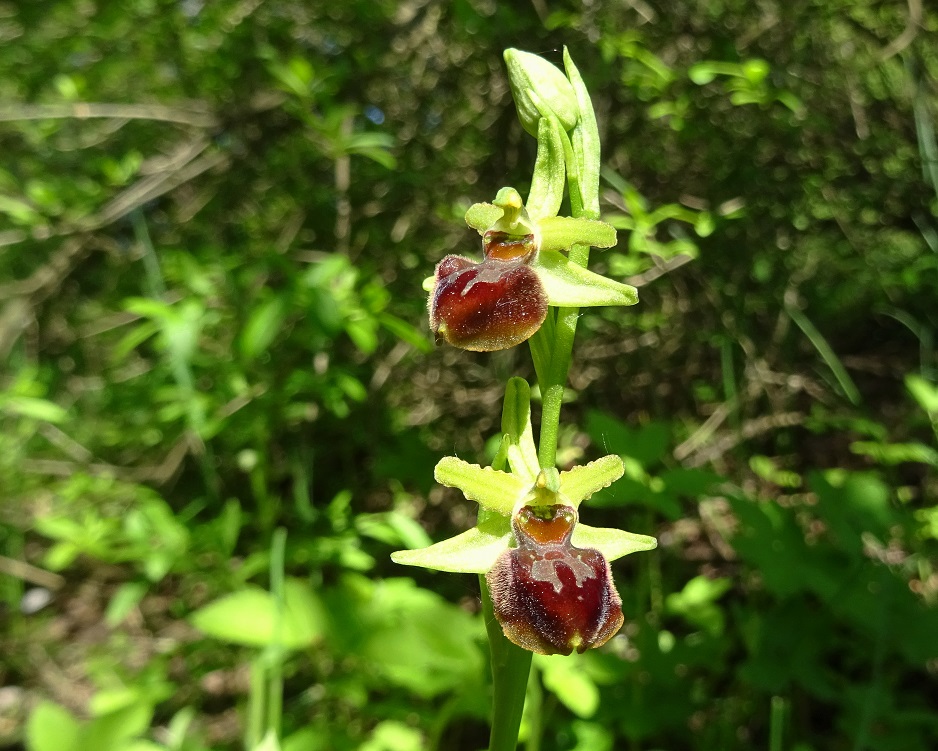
<point x="486" y="306"/>
<point x="549" y="596"/>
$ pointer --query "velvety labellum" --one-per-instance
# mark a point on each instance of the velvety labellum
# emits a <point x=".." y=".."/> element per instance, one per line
<point x="486" y="306"/>
<point x="549" y="596"/>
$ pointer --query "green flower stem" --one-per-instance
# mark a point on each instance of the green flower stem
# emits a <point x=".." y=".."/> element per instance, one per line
<point x="511" y="666"/>
<point x="561" y="355"/>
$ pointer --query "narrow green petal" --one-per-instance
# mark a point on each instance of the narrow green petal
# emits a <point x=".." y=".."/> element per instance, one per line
<point x="490" y="488"/>
<point x="516" y="425"/>
<point x="560" y="232"/>
<point x="612" y="543"/>
<point x="570" y="286"/>
<point x="473" y="552"/>
<point x="581" y="482"/>
<point x="481" y="216"/>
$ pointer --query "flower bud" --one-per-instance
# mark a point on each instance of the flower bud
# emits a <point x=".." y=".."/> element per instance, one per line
<point x="549" y="596"/>
<point x="487" y="306"/>
<point x="534" y="81"/>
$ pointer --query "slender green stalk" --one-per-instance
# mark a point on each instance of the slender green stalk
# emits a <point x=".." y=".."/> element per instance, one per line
<point x="777" y="723"/>
<point x="275" y="669"/>
<point x="256" y="704"/>
<point x="535" y="711"/>
<point x="511" y="666"/>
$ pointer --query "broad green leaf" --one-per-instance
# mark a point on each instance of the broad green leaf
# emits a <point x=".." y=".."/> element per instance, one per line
<point x="570" y="286"/>
<point x="52" y="728"/>
<point x="113" y="730"/>
<point x="251" y="617"/>
<point x="612" y="543"/>
<point x="472" y="552"/>
<point x="393" y="735"/>
<point x="494" y="490"/>
<point x="417" y="640"/>
<point x="581" y="482"/>
<point x="565" y="678"/>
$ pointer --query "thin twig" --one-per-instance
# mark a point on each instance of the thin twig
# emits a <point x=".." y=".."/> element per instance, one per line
<point x="29" y="573"/>
<point x="908" y="33"/>
<point x="199" y="118"/>
<point x="661" y="268"/>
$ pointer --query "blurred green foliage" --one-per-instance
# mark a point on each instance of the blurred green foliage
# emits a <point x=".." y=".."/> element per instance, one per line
<point x="214" y="222"/>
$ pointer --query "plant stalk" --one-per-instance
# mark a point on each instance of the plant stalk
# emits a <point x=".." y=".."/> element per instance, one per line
<point x="511" y="666"/>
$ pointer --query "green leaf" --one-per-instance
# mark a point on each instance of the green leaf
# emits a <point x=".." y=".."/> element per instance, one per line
<point x="581" y="482"/>
<point x="565" y="678"/>
<point x="516" y="424"/>
<point x="113" y="730"/>
<point x="404" y="331"/>
<point x="393" y="735"/>
<point x="924" y="392"/>
<point x="261" y="328"/>
<point x="125" y="599"/>
<point x="896" y="453"/>
<point x="19" y="211"/>
<point x="251" y="617"/>
<point x="52" y="728"/>
<point x="612" y="543"/>
<point x="569" y="286"/>
<point x="33" y="408"/>
<point x="561" y="232"/>
<point x="492" y="489"/>
<point x="472" y="552"/>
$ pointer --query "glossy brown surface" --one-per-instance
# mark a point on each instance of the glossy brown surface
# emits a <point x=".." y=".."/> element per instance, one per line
<point x="549" y="596"/>
<point x="505" y="247"/>
<point x="486" y="306"/>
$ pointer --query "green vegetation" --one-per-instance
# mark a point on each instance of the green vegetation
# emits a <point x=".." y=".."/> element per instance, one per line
<point x="220" y="406"/>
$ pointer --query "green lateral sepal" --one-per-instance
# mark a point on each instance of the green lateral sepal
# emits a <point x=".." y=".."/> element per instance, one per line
<point x="571" y="286"/>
